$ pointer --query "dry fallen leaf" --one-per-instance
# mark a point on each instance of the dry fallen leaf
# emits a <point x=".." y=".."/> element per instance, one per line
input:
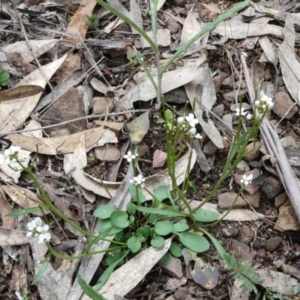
<point x="139" y="127"/>
<point x="20" y="92"/>
<point x="56" y="145"/>
<point x="10" y="237"/>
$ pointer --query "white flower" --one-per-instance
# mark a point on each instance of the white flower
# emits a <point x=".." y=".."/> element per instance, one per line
<point x="36" y="227"/>
<point x="246" y="179"/>
<point x="198" y="136"/>
<point x="44" y="237"/>
<point x="180" y="120"/>
<point x="249" y="116"/>
<point x="263" y="105"/>
<point x="193" y="131"/>
<point x="240" y="111"/>
<point x="138" y="181"/>
<point x="191" y="120"/>
<point x="129" y="156"/>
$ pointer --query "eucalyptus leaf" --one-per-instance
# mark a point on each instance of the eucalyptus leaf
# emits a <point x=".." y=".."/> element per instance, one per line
<point x="119" y="219"/>
<point x="202" y="215"/>
<point x="193" y="241"/>
<point x="164" y="227"/>
<point x="104" y="211"/>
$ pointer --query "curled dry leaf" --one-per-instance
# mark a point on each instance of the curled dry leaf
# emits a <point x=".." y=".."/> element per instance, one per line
<point x="23" y="197"/>
<point x="57" y="145"/>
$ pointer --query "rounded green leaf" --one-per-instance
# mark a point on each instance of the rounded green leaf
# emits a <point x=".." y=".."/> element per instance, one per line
<point x="108" y="228"/>
<point x="136" y="194"/>
<point x="194" y="241"/>
<point x="104" y="211"/>
<point x="162" y="193"/>
<point x="153" y="219"/>
<point x="130" y="208"/>
<point x="165" y="259"/>
<point x="164" y="227"/>
<point x="181" y="226"/>
<point x="119" y="219"/>
<point x="157" y="242"/>
<point x="144" y="231"/>
<point x="134" y="244"/>
<point x="175" y="250"/>
<point x="202" y="215"/>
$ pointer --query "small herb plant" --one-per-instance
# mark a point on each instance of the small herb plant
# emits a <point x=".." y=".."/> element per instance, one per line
<point x="4" y="76"/>
<point x="168" y="214"/>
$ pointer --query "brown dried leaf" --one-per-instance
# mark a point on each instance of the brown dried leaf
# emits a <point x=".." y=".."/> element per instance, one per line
<point x="10" y="237"/>
<point x="20" y="92"/>
<point x="23" y="197"/>
<point x="139" y="127"/>
<point x="5" y="208"/>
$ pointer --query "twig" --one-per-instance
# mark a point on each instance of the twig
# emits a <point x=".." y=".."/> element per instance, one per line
<point x="274" y="146"/>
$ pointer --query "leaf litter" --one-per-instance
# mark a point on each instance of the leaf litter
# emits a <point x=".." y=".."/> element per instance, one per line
<point x="200" y="92"/>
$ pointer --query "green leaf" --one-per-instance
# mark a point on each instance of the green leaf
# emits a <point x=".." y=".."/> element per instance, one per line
<point x="157" y="241"/>
<point x="107" y="227"/>
<point x="92" y="21"/>
<point x="119" y="219"/>
<point x="40" y="272"/>
<point x="202" y="215"/>
<point x="112" y="257"/>
<point x="193" y="241"/>
<point x="4" y="76"/>
<point x="158" y="211"/>
<point x="175" y="250"/>
<point x="89" y="291"/>
<point x="144" y="231"/>
<point x="162" y="193"/>
<point x="165" y="259"/>
<point x="152" y="219"/>
<point x="134" y="244"/>
<point x="130" y="208"/>
<point x="181" y="226"/>
<point x="164" y="227"/>
<point x="136" y="194"/>
<point x="104" y="211"/>
<point x="169" y="116"/>
<point x="24" y="211"/>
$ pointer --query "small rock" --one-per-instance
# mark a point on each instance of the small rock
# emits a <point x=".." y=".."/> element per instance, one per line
<point x="107" y="153"/>
<point x="69" y="106"/>
<point x="252" y="151"/>
<point x="217" y="80"/>
<point x="181" y="293"/>
<point x="219" y="110"/>
<point x="179" y="2"/>
<point x="280" y="199"/>
<point x="230" y="231"/>
<point x="272" y="187"/>
<point x="159" y="159"/>
<point x="261" y="252"/>
<point x="287" y="219"/>
<point x="254" y="199"/>
<point x="174" y="283"/>
<point x="235" y="94"/>
<point x="102" y="105"/>
<point x="273" y="243"/>
<point x="177" y="96"/>
<point x="282" y="104"/>
<point x="250" y="188"/>
<point x="173" y="25"/>
<point x="174" y="267"/>
<point x="258" y="243"/>
<point x="246" y="234"/>
<point x="225" y="200"/>
<point x="242" y="252"/>
<point x="210" y="148"/>
<point x="243" y="166"/>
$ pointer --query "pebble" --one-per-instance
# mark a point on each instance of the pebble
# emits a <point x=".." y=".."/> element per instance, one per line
<point x="225" y="200"/>
<point x="254" y="199"/>
<point x="108" y="153"/>
<point x="252" y="151"/>
<point x="159" y="159"/>
<point x="210" y="148"/>
<point x="282" y="104"/>
<point x="280" y="199"/>
<point x="230" y="231"/>
<point x="272" y="187"/>
<point x="174" y="267"/>
<point x="246" y="234"/>
<point x="102" y="105"/>
<point x="272" y="243"/>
